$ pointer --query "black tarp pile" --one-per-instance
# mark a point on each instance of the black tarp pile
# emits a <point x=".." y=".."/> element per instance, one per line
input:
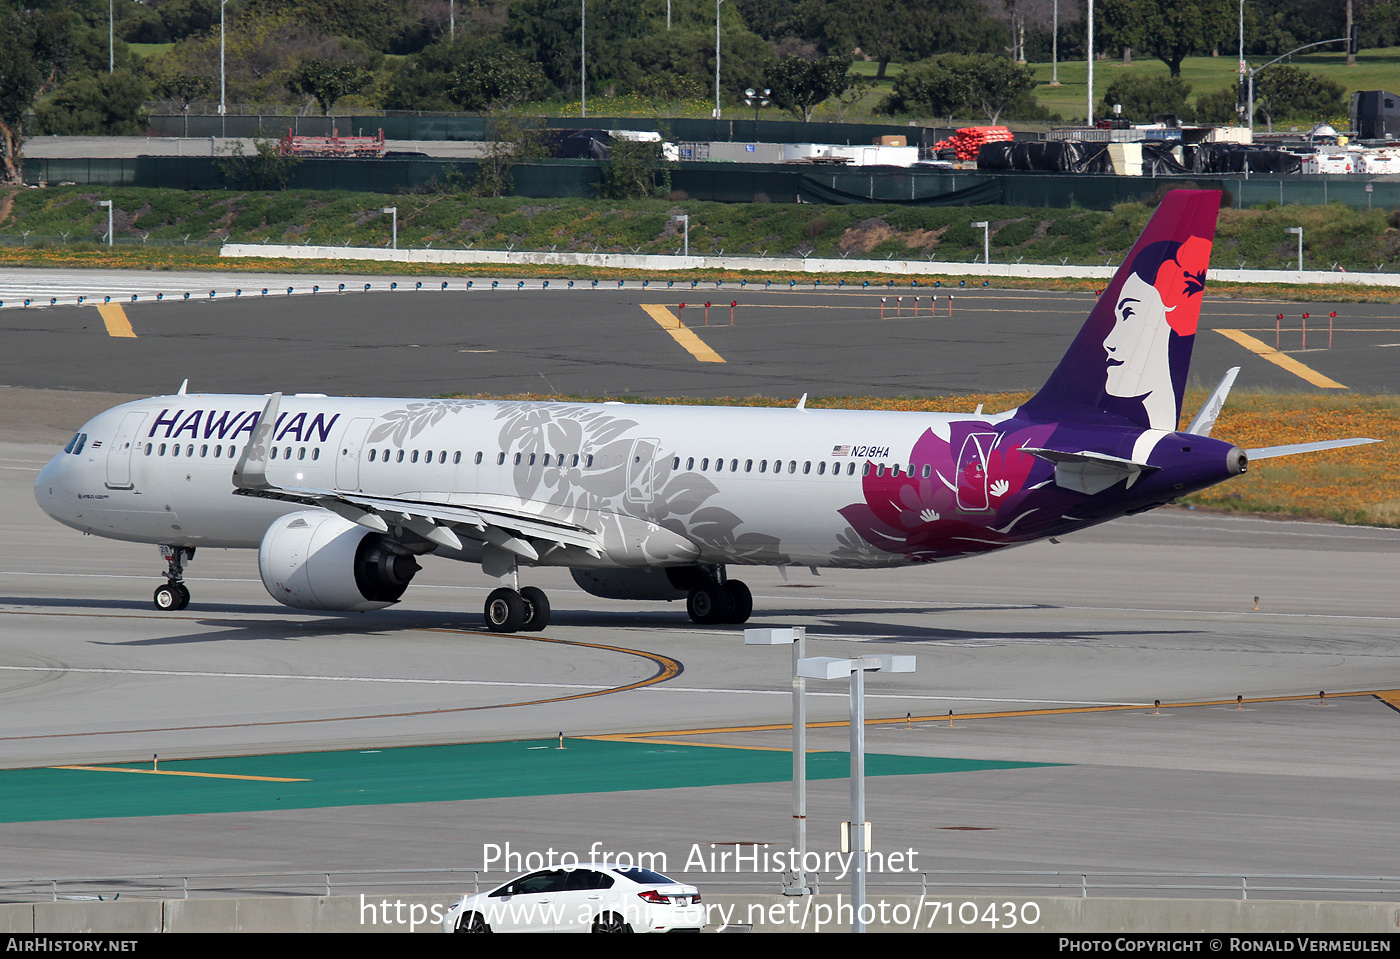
<point x="1157" y="160"/>
<point x="1046" y="156"/>
<point x="1233" y="158"/>
<point x="580" y="144"/>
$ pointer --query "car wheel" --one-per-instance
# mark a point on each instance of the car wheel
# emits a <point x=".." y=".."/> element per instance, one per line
<point x="610" y="922"/>
<point x="472" y="923"/>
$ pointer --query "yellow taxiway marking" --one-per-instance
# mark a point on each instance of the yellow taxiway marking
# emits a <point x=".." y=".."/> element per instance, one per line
<point x="177" y="772"/>
<point x="115" y="318"/>
<point x="1280" y="359"/>
<point x="682" y="334"/>
<point x="1390" y="697"/>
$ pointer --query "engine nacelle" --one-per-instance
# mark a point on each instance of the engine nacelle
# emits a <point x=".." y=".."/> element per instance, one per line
<point x="646" y="582"/>
<point x="317" y="560"/>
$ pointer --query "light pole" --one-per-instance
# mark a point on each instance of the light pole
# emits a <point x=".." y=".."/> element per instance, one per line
<point x="583" y="58"/>
<point x="752" y="98"/>
<point x="1298" y="230"/>
<point x="1055" y="44"/>
<point x="223" y="122"/>
<point x="108" y="205"/>
<point x="1089" y="116"/>
<point x="797" y="636"/>
<point x="829" y="667"/>
<point x="717" y="3"/>
<point x="1239" y="98"/>
<point x="393" y="211"/>
<point x="111" y="38"/>
<point x="986" y="241"/>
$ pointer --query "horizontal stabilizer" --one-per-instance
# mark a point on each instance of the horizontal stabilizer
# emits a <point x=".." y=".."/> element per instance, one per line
<point x="1206" y="416"/>
<point x="1268" y="452"/>
<point x="1087" y="472"/>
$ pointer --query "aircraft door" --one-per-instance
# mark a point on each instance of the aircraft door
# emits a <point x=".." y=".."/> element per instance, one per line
<point x="972" y="471"/>
<point x="123" y="447"/>
<point x="641" y="471"/>
<point x="347" y="464"/>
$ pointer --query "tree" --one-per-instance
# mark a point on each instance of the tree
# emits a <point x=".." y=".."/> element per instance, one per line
<point x="952" y="83"/>
<point x="1288" y="92"/>
<point x="902" y="31"/>
<point x="496" y="80"/>
<point x="801" y="85"/>
<point x="267" y="168"/>
<point x="108" y="104"/>
<point x="1143" y="97"/>
<point x="1218" y="106"/>
<point x="327" y="81"/>
<point x="1172" y="31"/>
<point x="631" y="171"/>
<point x="513" y="144"/>
<point x="691" y="53"/>
<point x="34" y="46"/>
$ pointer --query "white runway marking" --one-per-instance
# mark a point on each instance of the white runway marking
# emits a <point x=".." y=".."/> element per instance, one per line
<point x="532" y="685"/>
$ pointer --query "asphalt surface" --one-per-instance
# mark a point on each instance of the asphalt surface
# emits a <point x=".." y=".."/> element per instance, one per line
<point x="602" y="342"/>
<point x="1025" y="646"/>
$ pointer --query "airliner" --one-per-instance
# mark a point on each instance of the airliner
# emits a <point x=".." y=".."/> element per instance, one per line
<point x="342" y="497"/>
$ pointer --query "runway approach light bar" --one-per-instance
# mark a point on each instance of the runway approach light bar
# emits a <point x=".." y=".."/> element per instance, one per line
<point x="832" y="667"/>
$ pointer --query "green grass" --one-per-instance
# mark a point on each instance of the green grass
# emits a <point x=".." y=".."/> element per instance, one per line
<point x="149" y="49"/>
<point x="1356" y="239"/>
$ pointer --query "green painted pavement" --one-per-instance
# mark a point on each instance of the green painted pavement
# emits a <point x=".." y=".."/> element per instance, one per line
<point x="423" y="774"/>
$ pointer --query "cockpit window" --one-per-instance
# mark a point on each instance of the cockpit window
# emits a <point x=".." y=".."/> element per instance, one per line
<point x="76" y="444"/>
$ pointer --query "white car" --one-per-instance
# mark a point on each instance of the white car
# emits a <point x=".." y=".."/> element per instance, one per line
<point x="590" y="897"/>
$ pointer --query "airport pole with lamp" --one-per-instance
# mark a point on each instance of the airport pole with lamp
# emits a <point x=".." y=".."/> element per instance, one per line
<point x="717" y="3"/>
<point x="583" y="58"/>
<point x="223" y="121"/>
<point x="754" y="99"/>
<point x="108" y="205"/>
<point x="1089" y="118"/>
<point x="986" y="241"/>
<point x="1298" y="230"/>
<point x="796" y="636"/>
<point x="857" y="831"/>
<point x="685" y="227"/>
<point x="1055" y="44"/>
<point x="394" y="212"/>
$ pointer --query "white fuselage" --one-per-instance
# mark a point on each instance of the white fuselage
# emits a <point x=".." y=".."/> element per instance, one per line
<point x="659" y="484"/>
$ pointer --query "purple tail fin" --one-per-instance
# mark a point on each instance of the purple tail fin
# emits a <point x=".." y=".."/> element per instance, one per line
<point x="1130" y="359"/>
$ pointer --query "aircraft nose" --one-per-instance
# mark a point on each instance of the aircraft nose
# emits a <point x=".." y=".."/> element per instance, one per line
<point x="50" y="488"/>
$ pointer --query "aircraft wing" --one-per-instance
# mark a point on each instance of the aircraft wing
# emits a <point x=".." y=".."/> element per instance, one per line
<point x="440" y="523"/>
<point x="508" y="529"/>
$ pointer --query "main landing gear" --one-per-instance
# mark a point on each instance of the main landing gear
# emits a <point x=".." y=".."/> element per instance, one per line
<point x="724" y="601"/>
<point x="174" y="595"/>
<point x="512" y="611"/>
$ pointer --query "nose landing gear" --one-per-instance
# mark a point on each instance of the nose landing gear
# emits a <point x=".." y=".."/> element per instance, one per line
<point x="174" y="595"/>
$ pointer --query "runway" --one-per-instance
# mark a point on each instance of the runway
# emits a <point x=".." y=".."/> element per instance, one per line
<point x="593" y="342"/>
<point x="1046" y="654"/>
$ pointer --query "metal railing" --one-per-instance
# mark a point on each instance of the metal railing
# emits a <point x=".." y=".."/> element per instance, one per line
<point x="930" y="884"/>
